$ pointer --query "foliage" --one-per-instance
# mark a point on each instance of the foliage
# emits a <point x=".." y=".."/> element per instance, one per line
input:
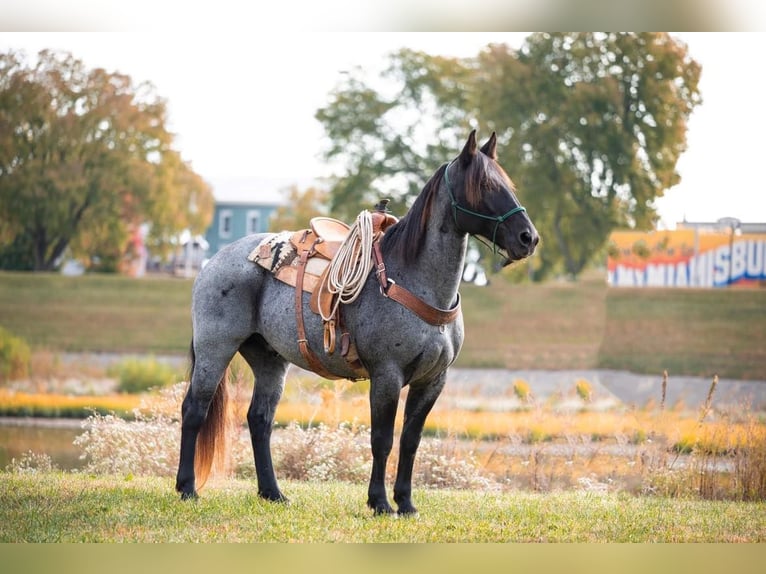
<point x="300" y="207"/>
<point x="85" y="160"/>
<point x="14" y="356"/>
<point x="137" y="375"/>
<point x="590" y="126"/>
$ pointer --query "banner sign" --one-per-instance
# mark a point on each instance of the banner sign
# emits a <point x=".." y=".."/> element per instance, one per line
<point x="685" y="258"/>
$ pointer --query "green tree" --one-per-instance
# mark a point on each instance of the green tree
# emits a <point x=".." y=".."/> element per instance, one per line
<point x="85" y="158"/>
<point x="590" y="125"/>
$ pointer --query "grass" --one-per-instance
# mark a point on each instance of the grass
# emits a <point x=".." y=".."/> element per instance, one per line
<point x="97" y="312"/>
<point x="80" y="508"/>
<point x="689" y="331"/>
<point x="555" y="326"/>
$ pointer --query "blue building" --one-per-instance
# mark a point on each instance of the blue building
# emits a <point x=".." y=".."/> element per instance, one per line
<point x="241" y="208"/>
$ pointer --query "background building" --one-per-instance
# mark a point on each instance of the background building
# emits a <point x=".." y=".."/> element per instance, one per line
<point x="242" y="207"/>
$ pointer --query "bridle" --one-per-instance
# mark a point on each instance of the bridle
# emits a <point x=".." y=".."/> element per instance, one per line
<point x="498" y="219"/>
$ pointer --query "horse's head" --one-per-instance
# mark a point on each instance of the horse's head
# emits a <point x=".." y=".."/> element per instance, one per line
<point x="484" y="201"/>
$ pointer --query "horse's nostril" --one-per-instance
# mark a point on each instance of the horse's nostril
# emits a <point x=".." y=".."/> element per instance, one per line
<point x="526" y="238"/>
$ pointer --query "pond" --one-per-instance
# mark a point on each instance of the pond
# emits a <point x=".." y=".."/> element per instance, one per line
<point x="52" y="437"/>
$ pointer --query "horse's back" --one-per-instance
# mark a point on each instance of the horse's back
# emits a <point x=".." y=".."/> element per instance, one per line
<point x="223" y="293"/>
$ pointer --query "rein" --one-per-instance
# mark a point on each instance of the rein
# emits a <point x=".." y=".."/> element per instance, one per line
<point x="498" y="219"/>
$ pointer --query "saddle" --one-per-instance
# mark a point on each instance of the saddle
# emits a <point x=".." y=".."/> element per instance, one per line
<point x="302" y="259"/>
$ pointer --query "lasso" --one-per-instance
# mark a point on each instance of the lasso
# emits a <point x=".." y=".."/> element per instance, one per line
<point x="351" y="265"/>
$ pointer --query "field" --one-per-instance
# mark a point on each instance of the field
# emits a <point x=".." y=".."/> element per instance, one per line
<point x="512" y="467"/>
<point x="554" y="326"/>
<point x="77" y="508"/>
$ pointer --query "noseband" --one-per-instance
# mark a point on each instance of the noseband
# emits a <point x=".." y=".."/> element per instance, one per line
<point x="498" y="219"/>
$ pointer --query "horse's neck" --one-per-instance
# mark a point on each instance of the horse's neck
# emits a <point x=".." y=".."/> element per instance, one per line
<point x="437" y="273"/>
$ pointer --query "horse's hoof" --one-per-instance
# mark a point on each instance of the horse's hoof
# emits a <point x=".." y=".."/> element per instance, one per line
<point x="408" y="511"/>
<point x="382" y="509"/>
<point x="274" y="497"/>
<point x="189" y="495"/>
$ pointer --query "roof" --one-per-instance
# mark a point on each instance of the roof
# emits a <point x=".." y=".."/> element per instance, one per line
<point x="254" y="190"/>
<point x="724" y="224"/>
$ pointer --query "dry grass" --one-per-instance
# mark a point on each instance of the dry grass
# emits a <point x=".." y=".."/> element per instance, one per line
<point x="538" y="446"/>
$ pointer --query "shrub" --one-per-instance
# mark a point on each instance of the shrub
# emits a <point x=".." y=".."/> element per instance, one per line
<point x="140" y="375"/>
<point x="584" y="390"/>
<point x="439" y="466"/>
<point x="323" y="453"/>
<point x="31" y="463"/>
<point x="14" y="356"/>
<point x="148" y="445"/>
<point x="522" y="390"/>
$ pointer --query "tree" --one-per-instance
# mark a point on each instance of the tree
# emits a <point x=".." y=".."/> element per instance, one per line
<point x="590" y="127"/>
<point x="85" y="158"/>
<point x="301" y="206"/>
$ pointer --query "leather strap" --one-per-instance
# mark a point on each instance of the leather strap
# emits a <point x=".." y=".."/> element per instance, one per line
<point x="303" y="343"/>
<point x="429" y="314"/>
<point x="348" y="351"/>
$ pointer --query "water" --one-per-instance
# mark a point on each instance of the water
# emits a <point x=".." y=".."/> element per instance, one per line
<point x="52" y="437"/>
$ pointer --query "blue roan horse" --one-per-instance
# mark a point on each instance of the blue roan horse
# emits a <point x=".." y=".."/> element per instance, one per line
<point x="238" y="306"/>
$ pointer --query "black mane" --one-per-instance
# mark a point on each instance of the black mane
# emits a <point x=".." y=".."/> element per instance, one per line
<point x="481" y="175"/>
<point x="404" y="237"/>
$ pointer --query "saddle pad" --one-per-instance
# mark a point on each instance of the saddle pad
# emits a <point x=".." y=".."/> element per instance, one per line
<point x="278" y="255"/>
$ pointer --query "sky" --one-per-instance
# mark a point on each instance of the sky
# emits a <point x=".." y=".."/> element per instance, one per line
<point x="242" y="105"/>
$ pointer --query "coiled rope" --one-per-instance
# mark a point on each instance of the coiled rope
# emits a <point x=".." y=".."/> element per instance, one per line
<point x="351" y="265"/>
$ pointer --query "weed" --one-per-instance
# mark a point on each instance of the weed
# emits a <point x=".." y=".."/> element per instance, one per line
<point x="708" y="400"/>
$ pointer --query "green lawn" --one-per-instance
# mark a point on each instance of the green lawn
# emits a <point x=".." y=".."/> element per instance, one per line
<point x="692" y="331"/>
<point x="76" y="508"/>
<point x="561" y="326"/>
<point x="97" y="312"/>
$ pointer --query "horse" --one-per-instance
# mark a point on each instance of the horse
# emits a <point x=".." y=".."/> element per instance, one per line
<point x="238" y="306"/>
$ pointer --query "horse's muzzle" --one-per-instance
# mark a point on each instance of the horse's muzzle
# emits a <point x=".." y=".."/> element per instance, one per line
<point x="521" y="246"/>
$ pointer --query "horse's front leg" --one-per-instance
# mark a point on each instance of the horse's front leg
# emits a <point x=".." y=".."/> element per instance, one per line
<point x="384" y="398"/>
<point x="420" y="401"/>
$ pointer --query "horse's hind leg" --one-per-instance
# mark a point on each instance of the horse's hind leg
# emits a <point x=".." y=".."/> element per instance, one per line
<point x="270" y="370"/>
<point x="206" y="375"/>
<point x="420" y="401"/>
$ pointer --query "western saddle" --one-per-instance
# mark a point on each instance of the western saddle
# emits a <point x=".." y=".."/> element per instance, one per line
<point x="315" y="248"/>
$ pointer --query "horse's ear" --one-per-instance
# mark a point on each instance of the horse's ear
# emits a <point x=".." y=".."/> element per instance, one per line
<point x="469" y="151"/>
<point x="490" y="148"/>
